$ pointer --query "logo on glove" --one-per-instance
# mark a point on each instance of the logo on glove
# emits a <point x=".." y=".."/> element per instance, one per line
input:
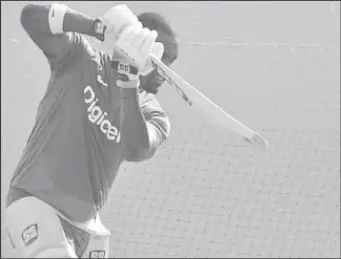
<point x="123" y="68"/>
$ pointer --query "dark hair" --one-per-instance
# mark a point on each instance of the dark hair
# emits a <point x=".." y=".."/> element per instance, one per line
<point x="157" y="22"/>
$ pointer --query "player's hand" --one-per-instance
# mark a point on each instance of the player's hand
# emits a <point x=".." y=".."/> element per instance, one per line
<point x="258" y="140"/>
<point x="118" y="18"/>
<point x="136" y="44"/>
<point x="157" y="50"/>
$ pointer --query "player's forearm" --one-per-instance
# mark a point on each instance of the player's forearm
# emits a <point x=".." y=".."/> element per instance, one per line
<point x="35" y="20"/>
<point x="134" y="127"/>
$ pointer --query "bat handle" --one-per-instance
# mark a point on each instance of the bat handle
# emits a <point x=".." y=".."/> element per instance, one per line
<point x="158" y="62"/>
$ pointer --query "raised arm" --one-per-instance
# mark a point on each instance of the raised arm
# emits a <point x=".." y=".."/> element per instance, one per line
<point x="144" y="130"/>
<point x="50" y="26"/>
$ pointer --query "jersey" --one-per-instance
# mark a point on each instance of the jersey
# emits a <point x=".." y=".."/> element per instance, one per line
<point x="74" y="151"/>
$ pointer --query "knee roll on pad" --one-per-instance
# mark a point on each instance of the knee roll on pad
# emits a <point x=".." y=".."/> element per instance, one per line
<point x="60" y="252"/>
<point x="56" y="253"/>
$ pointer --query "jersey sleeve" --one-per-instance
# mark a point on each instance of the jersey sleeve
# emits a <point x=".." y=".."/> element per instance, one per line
<point x="64" y="48"/>
<point x="157" y="123"/>
<point x="68" y="49"/>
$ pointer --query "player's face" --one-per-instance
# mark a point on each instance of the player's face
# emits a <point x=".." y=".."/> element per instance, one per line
<point x="156" y="78"/>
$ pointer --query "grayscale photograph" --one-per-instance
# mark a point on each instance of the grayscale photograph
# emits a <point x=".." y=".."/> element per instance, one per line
<point x="161" y="129"/>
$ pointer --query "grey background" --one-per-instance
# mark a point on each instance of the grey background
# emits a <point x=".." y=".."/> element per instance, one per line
<point x="273" y="65"/>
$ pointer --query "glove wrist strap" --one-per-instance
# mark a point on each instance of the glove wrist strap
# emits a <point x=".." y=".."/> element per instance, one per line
<point x="123" y="67"/>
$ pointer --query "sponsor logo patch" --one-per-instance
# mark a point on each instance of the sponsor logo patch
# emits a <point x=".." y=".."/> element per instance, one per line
<point x="97" y="254"/>
<point x="98" y="117"/>
<point x="30" y="234"/>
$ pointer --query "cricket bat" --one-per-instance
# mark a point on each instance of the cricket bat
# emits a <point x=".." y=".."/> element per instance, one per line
<point x="215" y="115"/>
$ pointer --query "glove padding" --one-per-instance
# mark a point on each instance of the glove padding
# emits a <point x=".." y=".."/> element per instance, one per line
<point x="135" y="45"/>
<point x="157" y="50"/>
<point x="115" y="20"/>
<point x="118" y="18"/>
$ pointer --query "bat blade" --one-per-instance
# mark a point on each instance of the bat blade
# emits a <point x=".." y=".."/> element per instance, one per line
<point x="214" y="115"/>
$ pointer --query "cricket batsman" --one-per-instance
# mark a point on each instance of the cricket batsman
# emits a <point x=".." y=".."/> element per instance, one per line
<point x="98" y="111"/>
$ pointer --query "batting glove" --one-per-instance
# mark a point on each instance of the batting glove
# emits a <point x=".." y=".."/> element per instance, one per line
<point x="136" y="44"/>
<point x="116" y="19"/>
